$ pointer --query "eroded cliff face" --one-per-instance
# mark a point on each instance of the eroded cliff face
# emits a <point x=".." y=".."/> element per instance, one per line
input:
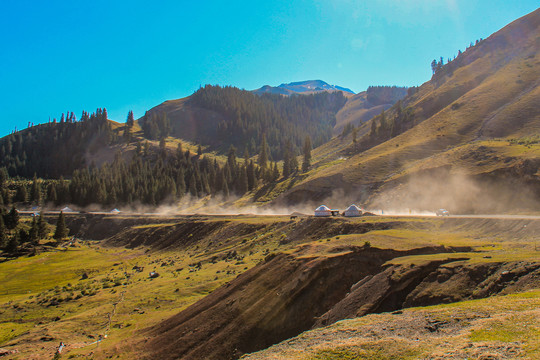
<point x="431" y="283"/>
<point x="291" y="293"/>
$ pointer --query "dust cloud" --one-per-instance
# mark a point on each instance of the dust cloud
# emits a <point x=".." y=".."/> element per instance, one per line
<point x="420" y="194"/>
<point x="457" y="192"/>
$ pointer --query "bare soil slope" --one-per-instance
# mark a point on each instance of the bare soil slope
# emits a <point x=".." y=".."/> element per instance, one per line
<point x="269" y="303"/>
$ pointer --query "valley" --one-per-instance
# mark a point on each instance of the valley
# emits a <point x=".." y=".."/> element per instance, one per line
<point x="191" y="232"/>
<point x="284" y="276"/>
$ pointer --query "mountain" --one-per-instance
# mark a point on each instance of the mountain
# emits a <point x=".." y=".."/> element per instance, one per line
<point x="466" y="140"/>
<point x="301" y="87"/>
<point x="218" y="117"/>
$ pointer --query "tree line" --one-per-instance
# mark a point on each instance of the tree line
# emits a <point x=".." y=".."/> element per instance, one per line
<point x="437" y="65"/>
<point x="17" y="237"/>
<point x="56" y="148"/>
<point x="156" y="176"/>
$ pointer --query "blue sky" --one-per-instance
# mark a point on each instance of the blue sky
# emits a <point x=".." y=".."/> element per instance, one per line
<point x="79" y="55"/>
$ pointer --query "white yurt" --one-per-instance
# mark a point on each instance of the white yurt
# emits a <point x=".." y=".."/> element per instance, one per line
<point x="323" y="210"/>
<point x="352" y="210"/>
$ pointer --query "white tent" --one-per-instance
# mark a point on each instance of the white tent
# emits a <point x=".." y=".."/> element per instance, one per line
<point x="115" y="211"/>
<point x="352" y="210"/>
<point x="323" y="210"/>
<point x="67" y="209"/>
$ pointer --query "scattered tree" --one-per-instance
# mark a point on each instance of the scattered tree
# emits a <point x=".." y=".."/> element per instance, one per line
<point x="130" y="120"/>
<point x="13" y="244"/>
<point x="61" y="230"/>
<point x="11" y="220"/>
<point x="42" y="227"/>
<point x="307" y="154"/>
<point x="33" y="234"/>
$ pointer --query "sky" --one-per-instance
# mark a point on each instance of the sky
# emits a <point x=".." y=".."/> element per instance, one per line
<point x="59" y="56"/>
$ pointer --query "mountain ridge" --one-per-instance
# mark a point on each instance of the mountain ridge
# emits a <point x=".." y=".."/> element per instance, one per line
<point x="489" y="92"/>
<point x="301" y="87"/>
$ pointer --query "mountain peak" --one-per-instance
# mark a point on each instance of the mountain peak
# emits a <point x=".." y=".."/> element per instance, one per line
<point x="299" y="87"/>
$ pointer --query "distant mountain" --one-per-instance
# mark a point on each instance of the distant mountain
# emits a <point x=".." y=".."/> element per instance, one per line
<point x="301" y="87"/>
<point x="359" y="108"/>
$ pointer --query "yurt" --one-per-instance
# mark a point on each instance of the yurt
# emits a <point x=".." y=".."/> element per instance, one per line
<point x="352" y="210"/>
<point x="323" y="210"/>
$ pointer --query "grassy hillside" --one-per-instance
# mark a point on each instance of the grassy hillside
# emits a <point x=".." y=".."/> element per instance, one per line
<point x="490" y="92"/>
<point x="501" y="327"/>
<point x="356" y="111"/>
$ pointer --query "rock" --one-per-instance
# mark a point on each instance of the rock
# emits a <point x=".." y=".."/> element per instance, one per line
<point x="5" y="352"/>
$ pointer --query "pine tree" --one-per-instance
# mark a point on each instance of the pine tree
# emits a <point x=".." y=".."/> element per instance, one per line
<point x="23" y="236"/>
<point x="231" y="162"/>
<point x="275" y="172"/>
<point x="127" y="134"/>
<point x="374" y="130"/>
<point x="307" y="154"/>
<point x="180" y="183"/>
<point x="145" y="149"/>
<point x="243" y="181"/>
<point x="3" y="176"/>
<point x="13" y="244"/>
<point x="33" y="234"/>
<point x="293" y="162"/>
<point x="162" y="148"/>
<point x="434" y="66"/>
<point x="393" y="128"/>
<point x="12" y="219"/>
<point x="130" y="120"/>
<point x="35" y="193"/>
<point x="42" y="227"/>
<point x="61" y="230"/>
<point x="3" y="233"/>
<point x="384" y="122"/>
<point x="193" y="185"/>
<point x="21" y="194"/>
<point x="225" y="190"/>
<point x="287" y="160"/>
<point x="251" y="177"/>
<point x="51" y="194"/>
<point x="246" y="157"/>
<point x="263" y="154"/>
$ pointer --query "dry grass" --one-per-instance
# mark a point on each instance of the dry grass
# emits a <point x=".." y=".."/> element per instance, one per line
<point x="503" y="327"/>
